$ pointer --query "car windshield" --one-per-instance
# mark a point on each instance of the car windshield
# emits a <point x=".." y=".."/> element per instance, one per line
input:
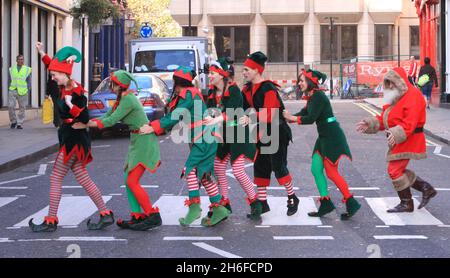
<point x="163" y="60"/>
<point x="144" y="82"/>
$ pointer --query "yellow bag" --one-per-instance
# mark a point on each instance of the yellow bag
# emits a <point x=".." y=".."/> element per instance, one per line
<point x="47" y="111"/>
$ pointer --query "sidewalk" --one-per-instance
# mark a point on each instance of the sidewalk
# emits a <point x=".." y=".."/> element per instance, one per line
<point x="19" y="147"/>
<point x="438" y="120"/>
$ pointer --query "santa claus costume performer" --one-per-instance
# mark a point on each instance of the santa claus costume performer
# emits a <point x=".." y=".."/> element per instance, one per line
<point x="262" y="95"/>
<point x="75" y="145"/>
<point x="330" y="146"/>
<point x="187" y="104"/>
<point x="403" y="118"/>
<point x="227" y="98"/>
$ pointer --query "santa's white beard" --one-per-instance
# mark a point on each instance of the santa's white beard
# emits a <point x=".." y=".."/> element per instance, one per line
<point x="389" y="95"/>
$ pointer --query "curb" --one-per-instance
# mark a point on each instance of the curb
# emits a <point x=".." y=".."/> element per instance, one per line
<point x="29" y="158"/>
<point x="426" y="131"/>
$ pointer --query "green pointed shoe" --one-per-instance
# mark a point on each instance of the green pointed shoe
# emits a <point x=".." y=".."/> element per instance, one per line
<point x="219" y="214"/>
<point x="194" y="213"/>
<point x="352" y="207"/>
<point x="326" y="206"/>
<point x="256" y="209"/>
<point x="106" y="219"/>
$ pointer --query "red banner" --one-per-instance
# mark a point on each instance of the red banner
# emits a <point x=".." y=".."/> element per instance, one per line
<point x="372" y="73"/>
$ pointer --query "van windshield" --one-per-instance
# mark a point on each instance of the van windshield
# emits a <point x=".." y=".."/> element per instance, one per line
<point x="163" y="60"/>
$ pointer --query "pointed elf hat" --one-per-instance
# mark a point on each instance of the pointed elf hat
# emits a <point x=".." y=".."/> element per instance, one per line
<point x="221" y="66"/>
<point x="59" y="62"/>
<point x="315" y="76"/>
<point x="256" y="60"/>
<point x="185" y="73"/>
<point x="123" y="78"/>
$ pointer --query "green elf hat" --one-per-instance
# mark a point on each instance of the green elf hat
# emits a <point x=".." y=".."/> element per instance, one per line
<point x="315" y="76"/>
<point x="256" y="60"/>
<point x="185" y="73"/>
<point x="123" y="78"/>
<point x="59" y="62"/>
<point x="221" y="66"/>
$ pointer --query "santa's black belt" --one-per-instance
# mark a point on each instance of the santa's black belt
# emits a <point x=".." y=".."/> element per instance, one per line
<point x="418" y="129"/>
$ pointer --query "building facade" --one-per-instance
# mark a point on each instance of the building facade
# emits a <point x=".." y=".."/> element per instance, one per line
<point x="298" y="31"/>
<point x="23" y="23"/>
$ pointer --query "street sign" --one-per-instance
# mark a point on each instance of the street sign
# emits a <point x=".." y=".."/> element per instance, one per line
<point x="146" y="31"/>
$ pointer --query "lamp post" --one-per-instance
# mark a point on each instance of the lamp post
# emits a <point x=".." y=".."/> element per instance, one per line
<point x="190" y="23"/>
<point x="331" y="18"/>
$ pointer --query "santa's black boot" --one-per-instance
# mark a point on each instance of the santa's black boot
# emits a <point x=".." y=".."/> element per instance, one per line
<point x="106" y="219"/>
<point x="49" y="225"/>
<point x="406" y="202"/>
<point x="427" y="190"/>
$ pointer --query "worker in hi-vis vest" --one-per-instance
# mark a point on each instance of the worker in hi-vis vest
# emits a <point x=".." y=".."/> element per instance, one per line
<point x="19" y="86"/>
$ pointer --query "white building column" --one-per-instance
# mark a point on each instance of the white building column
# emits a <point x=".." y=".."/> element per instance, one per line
<point x="258" y="31"/>
<point x="366" y="34"/>
<point x="447" y="45"/>
<point x="50" y="31"/>
<point x="311" y="37"/>
<point x="6" y="51"/>
<point x="34" y="61"/>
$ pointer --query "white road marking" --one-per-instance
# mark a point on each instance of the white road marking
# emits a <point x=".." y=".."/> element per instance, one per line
<point x="418" y="217"/>
<point x="303" y="238"/>
<point x="72" y="211"/>
<point x="199" y="238"/>
<point x="6" y="200"/>
<point x="401" y="237"/>
<point x="74" y="238"/>
<point x="362" y="188"/>
<point x="262" y="226"/>
<point x="442" y="189"/>
<point x="144" y="186"/>
<point x="444" y="226"/>
<point x="35" y="239"/>
<point x="325" y="226"/>
<point x="69" y="227"/>
<point x="215" y="250"/>
<point x="382" y="226"/>
<point x="115" y="194"/>
<point x="162" y="141"/>
<point x="277" y="214"/>
<point x="20" y="179"/>
<point x="12" y="228"/>
<point x="278" y="187"/>
<point x="72" y="187"/>
<point x="4" y="240"/>
<point x="42" y="169"/>
<point x="21" y="195"/>
<point x="13" y="187"/>
<point x="101" y="146"/>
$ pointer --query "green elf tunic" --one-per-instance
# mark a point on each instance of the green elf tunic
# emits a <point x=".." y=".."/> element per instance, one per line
<point x="203" y="145"/>
<point x="231" y="99"/>
<point x="143" y="149"/>
<point x="331" y="143"/>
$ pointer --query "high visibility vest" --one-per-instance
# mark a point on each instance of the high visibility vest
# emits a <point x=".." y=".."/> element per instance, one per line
<point x="19" y="79"/>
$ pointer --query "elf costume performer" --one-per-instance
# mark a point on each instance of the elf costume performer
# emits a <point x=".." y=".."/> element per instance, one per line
<point x="187" y="104"/>
<point x="75" y="145"/>
<point x="226" y="98"/>
<point x="143" y="152"/>
<point x="403" y="118"/>
<point x="262" y="95"/>
<point x="330" y="146"/>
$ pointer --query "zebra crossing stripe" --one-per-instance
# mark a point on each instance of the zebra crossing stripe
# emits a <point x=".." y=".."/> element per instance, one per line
<point x="72" y="211"/>
<point x="172" y="208"/>
<point x="418" y="217"/>
<point x="6" y="200"/>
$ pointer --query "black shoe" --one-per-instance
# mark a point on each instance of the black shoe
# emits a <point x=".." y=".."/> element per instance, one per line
<point x="49" y="225"/>
<point x="19" y="127"/>
<point x="292" y="204"/>
<point x="265" y="206"/>
<point x="152" y="221"/>
<point x="13" y="125"/>
<point x="135" y="218"/>
<point x="406" y="202"/>
<point x="326" y="206"/>
<point x="106" y="219"/>
<point x="427" y="190"/>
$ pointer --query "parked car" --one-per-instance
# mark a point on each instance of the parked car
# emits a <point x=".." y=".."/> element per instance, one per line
<point x="152" y="92"/>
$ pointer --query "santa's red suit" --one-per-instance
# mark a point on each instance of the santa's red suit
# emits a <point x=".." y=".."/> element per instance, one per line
<point x="404" y="118"/>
